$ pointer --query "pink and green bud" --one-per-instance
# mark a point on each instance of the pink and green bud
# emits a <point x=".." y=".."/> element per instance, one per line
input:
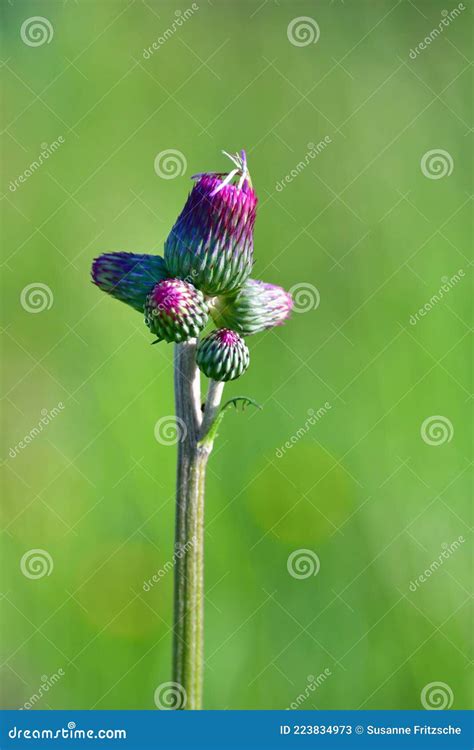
<point x="223" y="355"/>
<point x="253" y="308"/>
<point x="211" y="243"/>
<point x="129" y="277"/>
<point x="175" y="311"/>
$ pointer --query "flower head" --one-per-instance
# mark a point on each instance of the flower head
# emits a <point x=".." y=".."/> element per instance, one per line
<point x="211" y="243"/>
<point x="128" y="277"/>
<point x="253" y="308"/>
<point x="208" y="259"/>
<point x="222" y="355"/>
<point x="175" y="310"/>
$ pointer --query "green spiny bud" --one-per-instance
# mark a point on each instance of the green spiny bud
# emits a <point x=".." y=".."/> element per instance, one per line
<point x="175" y="310"/>
<point x="222" y="355"/>
<point x="253" y="308"/>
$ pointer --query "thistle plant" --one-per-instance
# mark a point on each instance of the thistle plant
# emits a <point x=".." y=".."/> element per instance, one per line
<point x="203" y="278"/>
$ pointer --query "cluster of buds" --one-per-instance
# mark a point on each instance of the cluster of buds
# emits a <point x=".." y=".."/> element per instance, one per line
<point x="204" y="275"/>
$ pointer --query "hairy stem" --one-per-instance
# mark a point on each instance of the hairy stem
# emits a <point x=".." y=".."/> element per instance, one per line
<point x="213" y="401"/>
<point x="187" y="403"/>
<point x="193" y="453"/>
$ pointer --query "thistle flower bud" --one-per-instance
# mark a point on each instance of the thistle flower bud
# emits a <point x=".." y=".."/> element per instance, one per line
<point x="129" y="277"/>
<point x="211" y="243"/>
<point x="175" y="310"/>
<point x="223" y="355"/>
<point x="253" y="308"/>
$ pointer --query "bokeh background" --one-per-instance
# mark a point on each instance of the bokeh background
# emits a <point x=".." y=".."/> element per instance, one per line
<point x="364" y="231"/>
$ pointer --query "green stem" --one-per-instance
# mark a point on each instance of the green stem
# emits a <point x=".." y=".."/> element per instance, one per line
<point x="194" y="604"/>
<point x="193" y="453"/>
<point x="187" y="403"/>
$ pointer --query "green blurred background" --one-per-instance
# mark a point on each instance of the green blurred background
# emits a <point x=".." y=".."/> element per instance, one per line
<point x="364" y="226"/>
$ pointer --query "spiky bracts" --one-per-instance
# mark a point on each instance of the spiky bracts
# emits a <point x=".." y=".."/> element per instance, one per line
<point x="175" y="310"/>
<point x="211" y="243"/>
<point x="222" y="355"/>
<point x="128" y="277"/>
<point x="255" y="307"/>
<point x="208" y="259"/>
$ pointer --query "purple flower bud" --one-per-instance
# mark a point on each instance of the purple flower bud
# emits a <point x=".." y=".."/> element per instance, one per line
<point x="128" y="277"/>
<point x="253" y="308"/>
<point x="211" y="243"/>
<point x="175" y="310"/>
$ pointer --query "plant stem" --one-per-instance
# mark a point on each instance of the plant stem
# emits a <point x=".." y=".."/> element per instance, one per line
<point x="213" y="401"/>
<point x="187" y="404"/>
<point x="193" y="453"/>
